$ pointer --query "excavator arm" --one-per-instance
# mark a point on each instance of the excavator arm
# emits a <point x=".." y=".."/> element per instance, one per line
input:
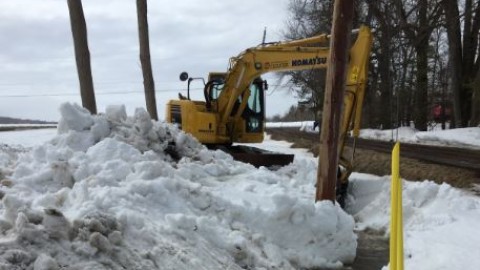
<point x="254" y="62"/>
<point x="291" y="56"/>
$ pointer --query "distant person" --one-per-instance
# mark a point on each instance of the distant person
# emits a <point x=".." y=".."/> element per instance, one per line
<point x="316" y="123"/>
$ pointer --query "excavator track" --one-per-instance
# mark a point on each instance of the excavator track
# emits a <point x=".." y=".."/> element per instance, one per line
<point x="255" y="156"/>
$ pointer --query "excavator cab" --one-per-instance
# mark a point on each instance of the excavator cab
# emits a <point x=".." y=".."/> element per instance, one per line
<point x="250" y="124"/>
<point x="249" y="127"/>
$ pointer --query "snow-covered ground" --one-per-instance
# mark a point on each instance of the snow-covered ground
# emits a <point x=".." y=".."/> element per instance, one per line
<point x="29" y="125"/>
<point x="118" y="192"/>
<point x="27" y="138"/>
<point x="460" y="137"/>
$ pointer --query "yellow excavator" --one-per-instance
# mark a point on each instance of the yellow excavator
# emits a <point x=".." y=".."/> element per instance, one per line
<point x="234" y="107"/>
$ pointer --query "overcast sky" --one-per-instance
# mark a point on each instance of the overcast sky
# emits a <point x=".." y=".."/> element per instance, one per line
<point x="38" y="72"/>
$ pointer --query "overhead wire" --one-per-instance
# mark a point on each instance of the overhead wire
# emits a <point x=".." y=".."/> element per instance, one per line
<point x="158" y="91"/>
<point x="96" y="93"/>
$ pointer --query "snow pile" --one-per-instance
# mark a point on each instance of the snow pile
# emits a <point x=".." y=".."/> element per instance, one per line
<point x="118" y="192"/>
<point x="440" y="222"/>
<point x="8" y="155"/>
<point x="460" y="137"/>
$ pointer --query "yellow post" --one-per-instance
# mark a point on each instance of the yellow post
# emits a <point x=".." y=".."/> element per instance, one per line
<point x="396" y="221"/>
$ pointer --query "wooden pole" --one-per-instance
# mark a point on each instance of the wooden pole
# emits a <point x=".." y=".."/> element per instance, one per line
<point x="82" y="54"/>
<point x="333" y="102"/>
<point x="148" y="83"/>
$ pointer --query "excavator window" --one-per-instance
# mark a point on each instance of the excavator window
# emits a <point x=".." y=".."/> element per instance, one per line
<point x="217" y="88"/>
<point x="215" y="85"/>
<point x="254" y="100"/>
<point x="212" y="91"/>
<point x="254" y="111"/>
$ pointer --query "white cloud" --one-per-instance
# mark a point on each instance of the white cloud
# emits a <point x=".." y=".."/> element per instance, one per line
<point x="33" y="10"/>
<point x="37" y="56"/>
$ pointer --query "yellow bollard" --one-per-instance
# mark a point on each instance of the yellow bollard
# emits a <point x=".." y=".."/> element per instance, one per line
<point x="396" y="220"/>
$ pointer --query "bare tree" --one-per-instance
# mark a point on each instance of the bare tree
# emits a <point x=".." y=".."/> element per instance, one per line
<point x="404" y="79"/>
<point x="465" y="59"/>
<point x="475" y="120"/>
<point x="381" y="11"/>
<point x="309" y="18"/>
<point x="148" y="82"/>
<point x="82" y="54"/>
<point x="418" y="20"/>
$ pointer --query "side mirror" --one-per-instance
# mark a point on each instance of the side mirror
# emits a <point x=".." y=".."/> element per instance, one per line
<point x="183" y="76"/>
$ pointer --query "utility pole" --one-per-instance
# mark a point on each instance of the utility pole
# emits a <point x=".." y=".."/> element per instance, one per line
<point x="333" y="102"/>
<point x="148" y="83"/>
<point x="82" y="54"/>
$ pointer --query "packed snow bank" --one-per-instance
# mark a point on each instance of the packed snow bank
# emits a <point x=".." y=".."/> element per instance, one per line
<point x="302" y="125"/>
<point x="461" y="137"/>
<point x="118" y="192"/>
<point x="453" y="137"/>
<point x="440" y="222"/>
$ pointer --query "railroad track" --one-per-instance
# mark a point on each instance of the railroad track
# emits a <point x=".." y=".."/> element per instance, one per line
<point x="451" y="156"/>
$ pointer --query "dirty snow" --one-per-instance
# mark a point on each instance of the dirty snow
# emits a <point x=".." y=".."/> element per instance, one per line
<point x="118" y="192"/>
<point x="122" y="192"/>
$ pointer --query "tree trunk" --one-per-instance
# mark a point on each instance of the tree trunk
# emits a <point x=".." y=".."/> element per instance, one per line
<point x="471" y="75"/>
<point x="421" y="91"/>
<point x="455" y="56"/>
<point x="475" y="117"/>
<point x="475" y="38"/>
<point x="468" y="50"/>
<point x="82" y="54"/>
<point x="381" y="11"/>
<point x="148" y="83"/>
<point x="404" y="94"/>
<point x="333" y="102"/>
<point x="410" y="100"/>
<point x="385" y="81"/>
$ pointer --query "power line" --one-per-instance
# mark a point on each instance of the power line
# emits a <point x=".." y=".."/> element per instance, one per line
<point x="97" y="93"/>
<point x="7" y="84"/>
<point x="96" y="83"/>
<point x="158" y="91"/>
